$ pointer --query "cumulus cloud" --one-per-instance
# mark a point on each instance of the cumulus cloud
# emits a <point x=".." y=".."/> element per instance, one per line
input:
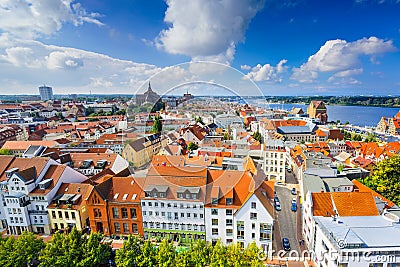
<point x="340" y="55"/>
<point x="245" y="67"/>
<point x="267" y="72"/>
<point x="206" y="29"/>
<point x="32" y="18"/>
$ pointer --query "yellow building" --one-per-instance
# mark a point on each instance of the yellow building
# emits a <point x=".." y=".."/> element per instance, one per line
<point x="68" y="208"/>
<point x="141" y="151"/>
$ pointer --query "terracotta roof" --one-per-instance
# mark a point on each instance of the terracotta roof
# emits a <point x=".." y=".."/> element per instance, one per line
<point x="121" y="189"/>
<point x="22" y="164"/>
<point x="74" y="188"/>
<point x="23" y="145"/>
<point x="363" y="188"/>
<point x="322" y="204"/>
<point x="344" y="203"/>
<point x="54" y="172"/>
<point x="78" y="158"/>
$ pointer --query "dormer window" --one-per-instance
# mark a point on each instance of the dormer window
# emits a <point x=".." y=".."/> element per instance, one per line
<point x="194" y="196"/>
<point x="229" y="201"/>
<point x="180" y="195"/>
<point x="214" y="201"/>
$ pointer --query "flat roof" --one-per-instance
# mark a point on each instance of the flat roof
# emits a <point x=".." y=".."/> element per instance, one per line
<point x="370" y="231"/>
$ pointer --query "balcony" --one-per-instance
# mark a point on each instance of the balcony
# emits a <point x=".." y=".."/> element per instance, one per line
<point x="42" y="212"/>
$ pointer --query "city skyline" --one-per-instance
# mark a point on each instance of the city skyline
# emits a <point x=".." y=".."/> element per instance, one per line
<point x="285" y="47"/>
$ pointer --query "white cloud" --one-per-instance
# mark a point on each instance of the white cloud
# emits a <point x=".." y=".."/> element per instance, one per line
<point x="31" y="18"/>
<point x="206" y="29"/>
<point x="339" y="55"/>
<point x="245" y="67"/>
<point x="267" y="72"/>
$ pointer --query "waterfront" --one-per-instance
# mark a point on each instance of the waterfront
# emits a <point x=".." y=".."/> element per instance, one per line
<point x="357" y="115"/>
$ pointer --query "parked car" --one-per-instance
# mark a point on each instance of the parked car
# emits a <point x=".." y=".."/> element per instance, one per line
<point x="278" y="206"/>
<point x="285" y="244"/>
<point x="294" y="191"/>
<point x="294" y="207"/>
<point x="294" y="201"/>
<point x="276" y="199"/>
<point x="289" y="170"/>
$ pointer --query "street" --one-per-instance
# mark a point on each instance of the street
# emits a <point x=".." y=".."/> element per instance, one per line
<point x="286" y="219"/>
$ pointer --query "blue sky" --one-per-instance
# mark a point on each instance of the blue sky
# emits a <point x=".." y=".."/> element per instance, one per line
<point x="286" y="47"/>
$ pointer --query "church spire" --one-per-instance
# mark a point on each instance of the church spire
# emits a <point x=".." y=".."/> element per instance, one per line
<point x="149" y="89"/>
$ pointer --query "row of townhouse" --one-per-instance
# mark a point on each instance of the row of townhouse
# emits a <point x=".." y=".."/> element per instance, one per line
<point x="180" y="203"/>
<point x="184" y="203"/>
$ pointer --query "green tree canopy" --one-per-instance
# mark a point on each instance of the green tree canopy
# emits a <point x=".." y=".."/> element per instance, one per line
<point x="157" y="125"/>
<point x="386" y="179"/>
<point x="192" y="146"/>
<point x="19" y="251"/>
<point x="5" y="152"/>
<point x="257" y="135"/>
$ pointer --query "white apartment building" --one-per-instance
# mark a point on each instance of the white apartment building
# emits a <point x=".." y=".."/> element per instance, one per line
<point x="358" y="241"/>
<point x="274" y="160"/>
<point x="28" y="188"/>
<point x="236" y="213"/>
<point x="225" y="120"/>
<point x="173" y="203"/>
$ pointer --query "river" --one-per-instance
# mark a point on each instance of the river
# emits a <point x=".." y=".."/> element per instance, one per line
<point x="356" y="115"/>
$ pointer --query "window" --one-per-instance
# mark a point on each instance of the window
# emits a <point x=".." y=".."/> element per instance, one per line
<point x="229" y="201"/>
<point x="180" y="195"/>
<point x="163" y="213"/>
<point x="144" y="213"/>
<point x="187" y="196"/>
<point x="115" y="213"/>
<point x="253" y="216"/>
<point x="150" y="213"/>
<point x="97" y="213"/>
<point x="124" y="212"/>
<point x="229" y="232"/>
<point x="53" y="214"/>
<point x="73" y="215"/>
<point x="240" y="229"/>
<point x="155" y="204"/>
<point x="214" y="221"/>
<point x="176" y="216"/>
<point x="253" y="226"/>
<point x="214" y="231"/>
<point x="188" y="215"/>
<point x="143" y="204"/>
<point x="194" y="196"/>
<point x="229" y="212"/>
<point x="133" y="214"/>
<point x="117" y="227"/>
<point x="182" y="215"/>
<point x="157" y="213"/>
<point x="214" y="201"/>
<point x="201" y="215"/>
<point x="60" y="215"/>
<point x="150" y="204"/>
<point x="126" y="228"/>
<point x="214" y="212"/>
<point x="62" y="226"/>
<point x="229" y="222"/>
<point x="253" y="205"/>
<point x="169" y="215"/>
<point x="66" y="214"/>
<point x="194" y="215"/>
<point x="253" y="235"/>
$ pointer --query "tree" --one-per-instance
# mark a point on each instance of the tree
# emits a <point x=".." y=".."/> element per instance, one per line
<point x="199" y="253"/>
<point x="218" y="255"/>
<point x="75" y="250"/>
<point x="252" y="255"/>
<point x="183" y="259"/>
<point x="166" y="254"/>
<point x="199" y="120"/>
<point x="95" y="251"/>
<point x="157" y="125"/>
<point x="148" y="256"/>
<point x="257" y="135"/>
<point x="5" y="152"/>
<point x="226" y="136"/>
<point x="386" y="179"/>
<point x="234" y="255"/>
<point x="192" y="146"/>
<point x="19" y="251"/>
<point x="128" y="255"/>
